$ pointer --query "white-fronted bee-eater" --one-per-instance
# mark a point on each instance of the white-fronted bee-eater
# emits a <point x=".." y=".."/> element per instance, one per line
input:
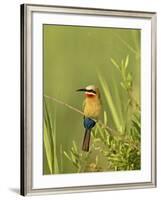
<point x="92" y="110"/>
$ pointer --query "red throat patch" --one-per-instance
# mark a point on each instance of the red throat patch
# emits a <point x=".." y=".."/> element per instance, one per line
<point x="90" y="95"/>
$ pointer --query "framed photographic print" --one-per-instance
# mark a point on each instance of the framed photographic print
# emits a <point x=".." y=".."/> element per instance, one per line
<point x="88" y="99"/>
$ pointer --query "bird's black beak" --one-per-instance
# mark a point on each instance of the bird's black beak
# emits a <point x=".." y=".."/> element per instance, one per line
<point x="81" y="90"/>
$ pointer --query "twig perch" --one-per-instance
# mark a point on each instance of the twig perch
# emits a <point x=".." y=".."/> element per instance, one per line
<point x="65" y="104"/>
<point x="115" y="133"/>
<point x="78" y="111"/>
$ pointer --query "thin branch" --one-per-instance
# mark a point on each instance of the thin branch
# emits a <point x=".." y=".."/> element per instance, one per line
<point x="80" y="112"/>
<point x="65" y="104"/>
<point x="114" y="132"/>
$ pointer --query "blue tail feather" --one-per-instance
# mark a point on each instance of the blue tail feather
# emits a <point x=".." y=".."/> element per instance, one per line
<point x="89" y="123"/>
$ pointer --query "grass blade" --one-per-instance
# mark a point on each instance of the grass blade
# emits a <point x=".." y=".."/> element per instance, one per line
<point x="50" y="138"/>
<point x="47" y="148"/>
<point x="110" y="102"/>
<point x="55" y="160"/>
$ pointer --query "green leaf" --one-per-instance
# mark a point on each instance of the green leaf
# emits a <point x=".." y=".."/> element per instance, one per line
<point x="122" y="64"/>
<point x="101" y="132"/>
<point x="129" y="77"/>
<point x="69" y="158"/>
<point x="122" y="85"/>
<point x="105" y="117"/>
<point x="136" y="125"/>
<point x="51" y="135"/>
<point x="75" y="146"/>
<point x="47" y="148"/>
<point x="53" y="132"/>
<point x="110" y="102"/>
<point x="61" y="158"/>
<point x="115" y="64"/>
<point x="96" y="160"/>
<point x="126" y="61"/>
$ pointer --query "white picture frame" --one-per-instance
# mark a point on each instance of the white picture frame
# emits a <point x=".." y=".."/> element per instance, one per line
<point x="32" y="179"/>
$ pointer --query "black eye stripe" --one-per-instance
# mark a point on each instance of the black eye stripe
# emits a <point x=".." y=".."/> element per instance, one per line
<point x="91" y="91"/>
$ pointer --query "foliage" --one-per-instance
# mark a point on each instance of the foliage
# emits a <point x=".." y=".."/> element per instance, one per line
<point x="113" y="149"/>
<point x="49" y="145"/>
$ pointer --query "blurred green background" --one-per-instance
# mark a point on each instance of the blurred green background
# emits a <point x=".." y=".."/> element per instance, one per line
<point x="75" y="57"/>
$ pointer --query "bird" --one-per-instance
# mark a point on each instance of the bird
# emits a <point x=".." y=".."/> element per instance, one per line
<point x="91" y="109"/>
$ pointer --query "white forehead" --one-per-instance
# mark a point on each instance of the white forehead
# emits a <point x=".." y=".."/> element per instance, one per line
<point x="90" y="87"/>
